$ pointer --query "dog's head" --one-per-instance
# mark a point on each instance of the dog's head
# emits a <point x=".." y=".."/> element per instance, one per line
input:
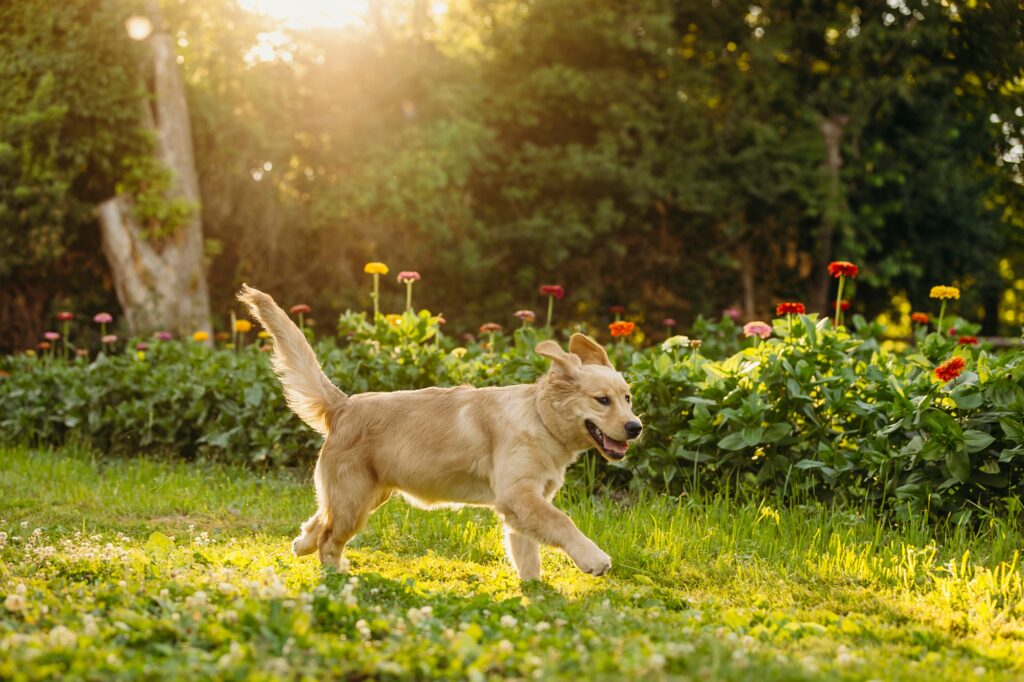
<point x="590" y="399"/>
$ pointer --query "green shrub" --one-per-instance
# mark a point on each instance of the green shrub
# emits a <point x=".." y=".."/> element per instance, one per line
<point x="813" y="411"/>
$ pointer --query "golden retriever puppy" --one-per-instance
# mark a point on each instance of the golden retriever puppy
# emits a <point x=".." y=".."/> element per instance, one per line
<point x="506" y="447"/>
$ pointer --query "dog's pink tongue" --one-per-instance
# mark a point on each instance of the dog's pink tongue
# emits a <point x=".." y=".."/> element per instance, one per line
<point x="616" y="446"/>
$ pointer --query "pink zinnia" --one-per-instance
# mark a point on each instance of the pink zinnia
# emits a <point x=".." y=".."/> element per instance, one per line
<point x="732" y="312"/>
<point x="407" y="276"/>
<point x="668" y="322"/>
<point x="142" y="345"/>
<point x="525" y="315"/>
<point x="299" y="308"/>
<point x="51" y="336"/>
<point x="757" y="328"/>
<point x="109" y="338"/>
<point x="103" y="318"/>
<point x="65" y="316"/>
<point x="490" y="328"/>
<point x="163" y="336"/>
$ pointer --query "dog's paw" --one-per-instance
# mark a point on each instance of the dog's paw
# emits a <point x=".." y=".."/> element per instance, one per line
<point x="593" y="561"/>
<point x="303" y="545"/>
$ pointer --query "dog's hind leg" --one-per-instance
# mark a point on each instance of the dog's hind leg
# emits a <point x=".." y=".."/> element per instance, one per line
<point x="524" y="552"/>
<point x="309" y="538"/>
<point x="349" y="499"/>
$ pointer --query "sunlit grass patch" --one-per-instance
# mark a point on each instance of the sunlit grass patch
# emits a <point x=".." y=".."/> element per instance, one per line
<point x="168" y="570"/>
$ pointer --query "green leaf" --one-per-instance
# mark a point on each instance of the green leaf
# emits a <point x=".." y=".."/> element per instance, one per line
<point x="966" y="397"/>
<point x="959" y="464"/>
<point x="663" y="364"/>
<point x="752" y="435"/>
<point x="776" y="432"/>
<point x="1013" y="429"/>
<point x="158" y="543"/>
<point x="734" y="441"/>
<point x="976" y="441"/>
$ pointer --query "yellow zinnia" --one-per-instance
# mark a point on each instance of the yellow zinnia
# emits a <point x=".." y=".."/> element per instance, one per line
<point x="243" y="326"/>
<point x="943" y="292"/>
<point x="263" y="334"/>
<point x="394" y="319"/>
<point x="375" y="268"/>
<point x="200" y="336"/>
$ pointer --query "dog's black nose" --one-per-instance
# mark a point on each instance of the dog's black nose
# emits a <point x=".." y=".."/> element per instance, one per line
<point x="633" y="429"/>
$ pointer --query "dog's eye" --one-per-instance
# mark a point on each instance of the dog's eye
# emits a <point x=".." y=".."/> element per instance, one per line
<point x="604" y="400"/>
<point x="629" y="398"/>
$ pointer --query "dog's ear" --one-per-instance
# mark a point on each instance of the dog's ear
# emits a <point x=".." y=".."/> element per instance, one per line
<point x="560" y="360"/>
<point x="590" y="351"/>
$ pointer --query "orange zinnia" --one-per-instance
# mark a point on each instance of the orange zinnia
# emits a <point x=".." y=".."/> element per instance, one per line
<point x="787" y="308"/>
<point x="919" y="318"/>
<point x="621" y="328"/>
<point x="950" y="369"/>
<point x="842" y="268"/>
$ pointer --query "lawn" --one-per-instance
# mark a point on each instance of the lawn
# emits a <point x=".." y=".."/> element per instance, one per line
<point x="115" y="568"/>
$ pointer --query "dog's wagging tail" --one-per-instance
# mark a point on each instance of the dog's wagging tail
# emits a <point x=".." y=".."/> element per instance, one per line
<point x="504" y="447"/>
<point x="308" y="391"/>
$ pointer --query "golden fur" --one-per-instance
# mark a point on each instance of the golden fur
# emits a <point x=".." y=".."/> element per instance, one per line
<point x="506" y="447"/>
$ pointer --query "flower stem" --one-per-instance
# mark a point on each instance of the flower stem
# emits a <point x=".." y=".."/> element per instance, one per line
<point x="839" y="300"/>
<point x="408" y="296"/>
<point x="551" y="310"/>
<point x="302" y="324"/>
<point x="376" y="296"/>
<point x="942" y="313"/>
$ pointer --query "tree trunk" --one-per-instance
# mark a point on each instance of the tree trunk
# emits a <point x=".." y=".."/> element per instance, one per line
<point x="835" y="205"/>
<point x="160" y="282"/>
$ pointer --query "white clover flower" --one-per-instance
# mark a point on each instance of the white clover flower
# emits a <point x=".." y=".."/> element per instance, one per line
<point x="508" y="621"/>
<point x="542" y="626"/>
<point x="226" y="588"/>
<point x="62" y="638"/>
<point x="363" y="628"/>
<point x="656" y="661"/>
<point x="89" y="627"/>
<point x="15" y="602"/>
<point x="506" y="647"/>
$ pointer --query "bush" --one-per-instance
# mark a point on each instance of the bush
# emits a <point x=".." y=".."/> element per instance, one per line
<point x="813" y="411"/>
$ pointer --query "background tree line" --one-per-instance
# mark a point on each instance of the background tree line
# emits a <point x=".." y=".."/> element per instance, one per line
<point x="675" y="157"/>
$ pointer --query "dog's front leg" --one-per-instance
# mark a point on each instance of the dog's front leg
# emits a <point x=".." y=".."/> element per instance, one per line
<point x="524" y="553"/>
<point x="526" y="512"/>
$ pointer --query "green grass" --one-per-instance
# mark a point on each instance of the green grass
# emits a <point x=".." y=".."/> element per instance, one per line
<point x="141" y="568"/>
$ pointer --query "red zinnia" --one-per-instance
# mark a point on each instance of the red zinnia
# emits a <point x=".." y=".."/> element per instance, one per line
<point x="299" y="308"/>
<point x="617" y="309"/>
<point x="842" y="268"/>
<point x="669" y="322"/>
<point x="968" y="340"/>
<point x="919" y="318"/>
<point x="490" y="328"/>
<point x="555" y="290"/>
<point x="621" y="328"/>
<point x="787" y="308"/>
<point x="65" y="316"/>
<point x="844" y="306"/>
<point x="950" y="369"/>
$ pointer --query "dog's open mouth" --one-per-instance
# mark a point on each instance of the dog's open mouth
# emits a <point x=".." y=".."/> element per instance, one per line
<point x="612" y="449"/>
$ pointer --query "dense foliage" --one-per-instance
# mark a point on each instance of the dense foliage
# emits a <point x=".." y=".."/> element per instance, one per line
<point x="812" y="411"/>
<point x="680" y="157"/>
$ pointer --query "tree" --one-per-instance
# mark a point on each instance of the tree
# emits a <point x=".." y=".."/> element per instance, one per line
<point x="152" y="228"/>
